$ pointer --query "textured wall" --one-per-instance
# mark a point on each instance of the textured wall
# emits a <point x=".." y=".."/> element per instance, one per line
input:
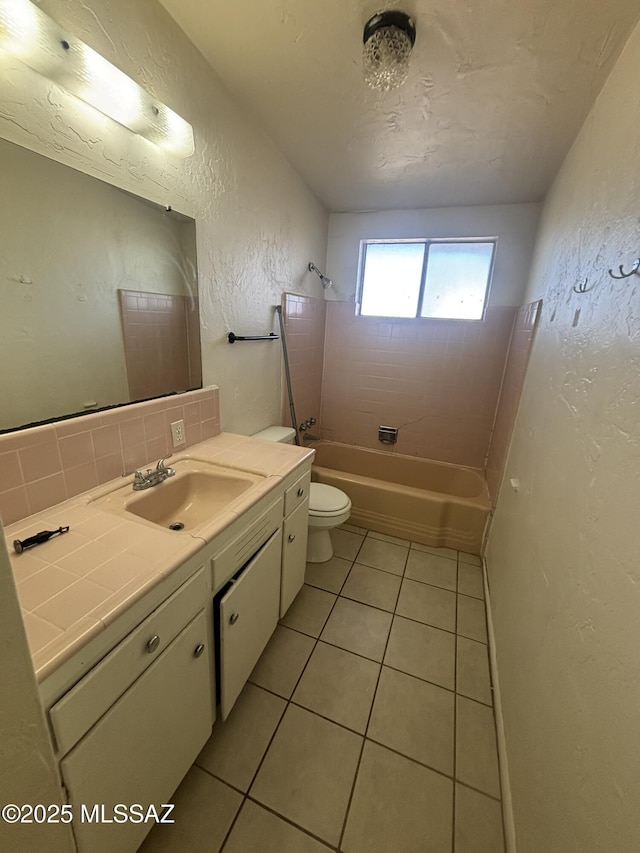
<point x="563" y="552"/>
<point x="513" y="224"/>
<point x="257" y="224"/>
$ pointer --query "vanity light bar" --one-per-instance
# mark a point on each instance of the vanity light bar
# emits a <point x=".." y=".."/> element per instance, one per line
<point x="29" y="35"/>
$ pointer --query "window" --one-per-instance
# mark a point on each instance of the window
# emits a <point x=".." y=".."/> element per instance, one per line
<point x="426" y="278"/>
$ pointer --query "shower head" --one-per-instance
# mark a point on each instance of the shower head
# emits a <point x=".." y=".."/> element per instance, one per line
<point x="326" y="282"/>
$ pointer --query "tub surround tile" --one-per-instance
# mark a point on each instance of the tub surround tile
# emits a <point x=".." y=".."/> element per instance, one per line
<point x="282" y="661"/>
<point x="14" y="505"/>
<point x="338" y="685"/>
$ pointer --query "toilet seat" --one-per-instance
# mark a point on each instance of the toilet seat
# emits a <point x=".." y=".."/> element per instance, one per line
<point x="326" y="501"/>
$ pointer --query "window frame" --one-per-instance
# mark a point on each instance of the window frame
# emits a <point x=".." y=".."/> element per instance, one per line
<point x="427" y="242"/>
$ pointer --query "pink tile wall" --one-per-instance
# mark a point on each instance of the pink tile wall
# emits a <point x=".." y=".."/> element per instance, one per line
<point x="156" y="342"/>
<point x="437" y="380"/>
<point x="44" y="465"/>
<point x="524" y="328"/>
<point x="305" y="328"/>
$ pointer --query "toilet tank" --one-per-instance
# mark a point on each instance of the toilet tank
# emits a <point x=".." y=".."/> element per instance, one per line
<point x="285" y="435"/>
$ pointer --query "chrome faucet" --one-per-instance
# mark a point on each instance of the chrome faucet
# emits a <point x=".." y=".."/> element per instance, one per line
<point x="153" y="476"/>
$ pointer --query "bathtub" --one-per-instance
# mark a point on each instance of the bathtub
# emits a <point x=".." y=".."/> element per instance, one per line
<point x="434" y="503"/>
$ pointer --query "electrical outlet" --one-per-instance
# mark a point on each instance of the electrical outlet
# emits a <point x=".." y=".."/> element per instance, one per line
<point x="177" y="433"/>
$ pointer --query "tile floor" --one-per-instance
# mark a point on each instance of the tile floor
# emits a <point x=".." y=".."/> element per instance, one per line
<point x="367" y="725"/>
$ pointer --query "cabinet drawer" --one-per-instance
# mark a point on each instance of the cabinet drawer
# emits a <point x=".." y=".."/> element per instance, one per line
<point x="78" y="710"/>
<point x="295" y="494"/>
<point x="142" y="747"/>
<point x="225" y="564"/>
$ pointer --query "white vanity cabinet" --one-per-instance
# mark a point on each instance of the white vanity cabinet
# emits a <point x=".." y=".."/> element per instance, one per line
<point x="134" y="745"/>
<point x="294" y="540"/>
<point x="130" y="712"/>
<point x="247" y="614"/>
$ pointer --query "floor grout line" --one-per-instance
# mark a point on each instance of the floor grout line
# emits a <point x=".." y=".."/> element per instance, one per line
<point x="289" y="701"/>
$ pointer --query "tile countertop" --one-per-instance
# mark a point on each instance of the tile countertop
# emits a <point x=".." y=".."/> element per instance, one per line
<point x="73" y="586"/>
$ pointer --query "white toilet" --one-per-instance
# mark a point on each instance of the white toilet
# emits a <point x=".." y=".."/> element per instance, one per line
<point x="328" y="506"/>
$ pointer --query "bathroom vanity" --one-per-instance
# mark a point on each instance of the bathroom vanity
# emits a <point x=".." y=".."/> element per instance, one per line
<point x="131" y="702"/>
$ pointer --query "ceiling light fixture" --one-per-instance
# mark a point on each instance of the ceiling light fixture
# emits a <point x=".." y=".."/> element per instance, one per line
<point x="29" y="35"/>
<point x="388" y="40"/>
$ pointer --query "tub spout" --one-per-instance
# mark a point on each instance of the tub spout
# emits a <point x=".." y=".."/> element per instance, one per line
<point x="306" y="436"/>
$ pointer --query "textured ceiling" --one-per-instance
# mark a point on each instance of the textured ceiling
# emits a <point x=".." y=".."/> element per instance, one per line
<point x="496" y="93"/>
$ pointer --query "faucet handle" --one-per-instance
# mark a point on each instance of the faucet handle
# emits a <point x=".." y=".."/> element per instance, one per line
<point x="139" y="477"/>
<point x="161" y="466"/>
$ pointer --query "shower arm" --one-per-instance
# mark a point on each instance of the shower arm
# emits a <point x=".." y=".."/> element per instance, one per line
<point x="324" y="280"/>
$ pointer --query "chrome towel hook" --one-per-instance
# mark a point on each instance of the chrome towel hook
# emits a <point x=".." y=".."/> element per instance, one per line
<point x="623" y="274"/>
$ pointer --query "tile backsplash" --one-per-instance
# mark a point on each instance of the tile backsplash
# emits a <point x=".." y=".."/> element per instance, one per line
<point x="44" y="465"/>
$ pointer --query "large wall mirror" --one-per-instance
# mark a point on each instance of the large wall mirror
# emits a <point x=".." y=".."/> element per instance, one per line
<point x="98" y="294"/>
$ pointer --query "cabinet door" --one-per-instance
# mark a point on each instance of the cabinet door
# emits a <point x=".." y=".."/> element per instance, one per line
<point x="294" y="554"/>
<point x="140" y="750"/>
<point x="248" y="617"/>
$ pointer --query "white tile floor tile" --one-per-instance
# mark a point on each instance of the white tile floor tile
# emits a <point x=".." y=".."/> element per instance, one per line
<point x="308" y="773"/>
<point x="358" y="628"/>
<point x="342" y="753"/>
<point x="429" y="604"/>
<point x="282" y="662"/>
<point x="339" y="685"/>
<point x="430" y="568"/>
<point x="236" y="747"/>
<point x="372" y="586"/>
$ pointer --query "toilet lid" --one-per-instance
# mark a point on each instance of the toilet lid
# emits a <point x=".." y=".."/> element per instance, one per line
<point x="327" y="499"/>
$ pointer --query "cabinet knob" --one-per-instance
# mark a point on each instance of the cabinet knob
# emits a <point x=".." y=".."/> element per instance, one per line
<point x="291" y="537"/>
<point x="233" y="618"/>
<point x="153" y="644"/>
<point x="199" y="649"/>
<point x="300" y="492"/>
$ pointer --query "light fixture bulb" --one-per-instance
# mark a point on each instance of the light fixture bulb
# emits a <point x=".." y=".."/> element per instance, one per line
<point x="388" y="41"/>
<point x="29" y="35"/>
